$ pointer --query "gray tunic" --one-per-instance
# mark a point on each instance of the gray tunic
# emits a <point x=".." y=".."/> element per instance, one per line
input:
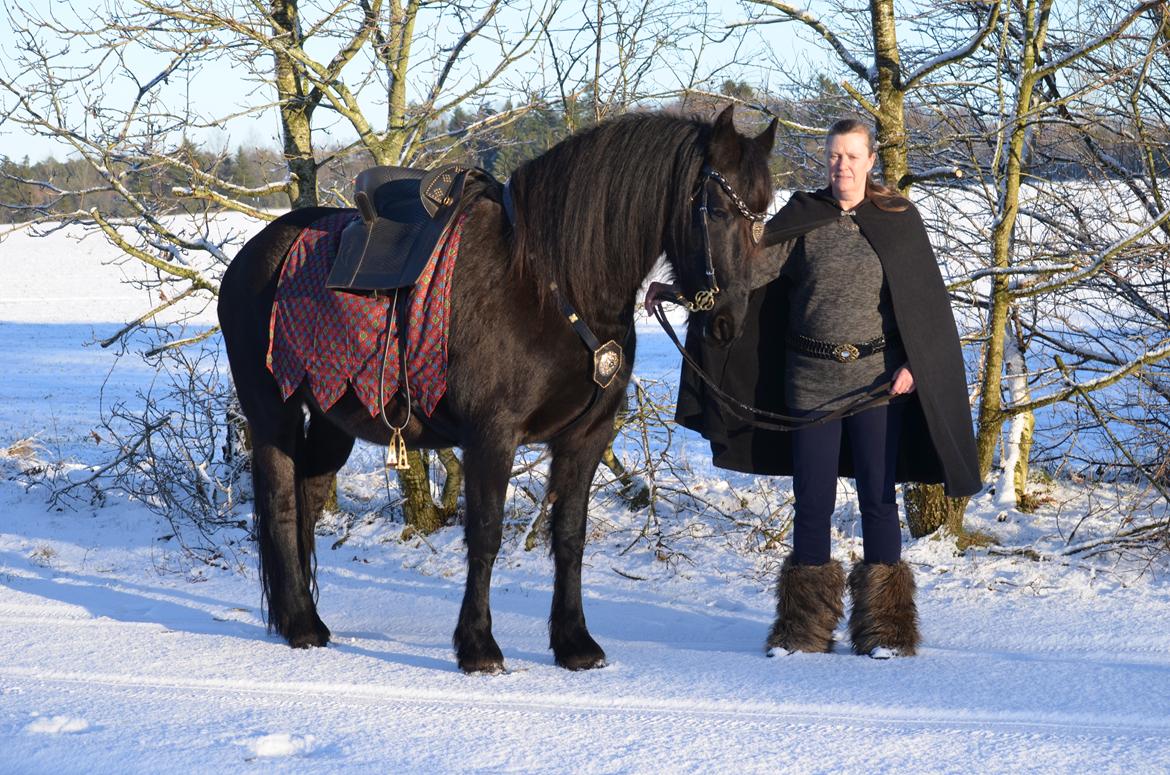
<point x="838" y="294"/>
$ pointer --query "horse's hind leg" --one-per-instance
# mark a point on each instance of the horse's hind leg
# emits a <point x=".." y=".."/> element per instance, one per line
<point x="322" y="451"/>
<point x="574" y="462"/>
<point x="487" y="471"/>
<point x="287" y="473"/>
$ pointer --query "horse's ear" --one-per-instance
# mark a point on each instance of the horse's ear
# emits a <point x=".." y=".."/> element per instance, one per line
<point x="724" y="131"/>
<point x="764" y="140"/>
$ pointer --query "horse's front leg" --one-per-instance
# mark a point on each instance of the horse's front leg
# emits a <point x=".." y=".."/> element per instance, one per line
<point x="486" y="469"/>
<point x="575" y="460"/>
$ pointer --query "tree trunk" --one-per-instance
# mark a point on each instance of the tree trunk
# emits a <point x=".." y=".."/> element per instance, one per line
<point x="928" y="508"/>
<point x="1023" y="501"/>
<point x="418" y="506"/>
<point x="634" y="491"/>
<point x="891" y="95"/>
<point x="931" y="509"/>
<point x="991" y="416"/>
<point x="296" y="107"/>
<point x="453" y="483"/>
<point x="1013" y="488"/>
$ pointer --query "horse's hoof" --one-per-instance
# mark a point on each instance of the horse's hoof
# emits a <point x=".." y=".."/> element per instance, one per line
<point x="479" y="655"/>
<point x="483" y="664"/>
<point x="583" y="654"/>
<point x="315" y="635"/>
<point x="582" y="661"/>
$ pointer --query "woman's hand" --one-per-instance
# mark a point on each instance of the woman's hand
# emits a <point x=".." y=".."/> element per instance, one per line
<point x="903" y="383"/>
<point x="656" y="291"/>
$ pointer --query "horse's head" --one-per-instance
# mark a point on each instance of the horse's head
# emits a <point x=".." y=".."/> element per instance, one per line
<point x="726" y="227"/>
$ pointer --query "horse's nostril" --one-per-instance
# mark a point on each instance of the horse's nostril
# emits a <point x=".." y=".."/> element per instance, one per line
<point x="721" y="329"/>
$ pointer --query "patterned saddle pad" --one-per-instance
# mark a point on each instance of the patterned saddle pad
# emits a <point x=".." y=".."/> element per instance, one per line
<point x="337" y="340"/>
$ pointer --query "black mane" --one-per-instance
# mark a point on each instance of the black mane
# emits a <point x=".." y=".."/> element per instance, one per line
<point x="597" y="207"/>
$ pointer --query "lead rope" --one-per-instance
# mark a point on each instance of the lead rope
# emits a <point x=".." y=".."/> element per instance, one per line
<point x="875" y="397"/>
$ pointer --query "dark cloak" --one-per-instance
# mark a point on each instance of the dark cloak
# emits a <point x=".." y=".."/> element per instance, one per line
<point x="938" y="444"/>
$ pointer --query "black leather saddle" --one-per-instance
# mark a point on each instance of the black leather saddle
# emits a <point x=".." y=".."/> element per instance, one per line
<point x="404" y="212"/>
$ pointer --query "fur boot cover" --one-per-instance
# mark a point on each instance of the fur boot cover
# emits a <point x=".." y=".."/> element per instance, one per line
<point x="808" y="606"/>
<point x="884" y="614"/>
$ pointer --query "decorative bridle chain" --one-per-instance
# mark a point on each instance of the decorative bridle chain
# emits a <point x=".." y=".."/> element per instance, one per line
<point x="705" y="299"/>
<point x="736" y="199"/>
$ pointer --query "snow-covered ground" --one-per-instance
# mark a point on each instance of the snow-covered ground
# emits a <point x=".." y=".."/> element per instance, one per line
<point x="118" y="655"/>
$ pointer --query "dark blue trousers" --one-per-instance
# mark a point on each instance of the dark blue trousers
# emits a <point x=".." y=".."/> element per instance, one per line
<point x="873" y="438"/>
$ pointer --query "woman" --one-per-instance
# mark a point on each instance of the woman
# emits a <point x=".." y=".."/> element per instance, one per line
<point x="849" y="299"/>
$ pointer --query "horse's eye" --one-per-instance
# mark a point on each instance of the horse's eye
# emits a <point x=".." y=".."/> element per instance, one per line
<point x="718" y="212"/>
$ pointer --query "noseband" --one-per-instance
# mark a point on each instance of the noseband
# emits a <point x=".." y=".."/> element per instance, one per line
<point x="705" y="299"/>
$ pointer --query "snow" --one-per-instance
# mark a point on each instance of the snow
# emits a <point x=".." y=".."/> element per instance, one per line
<point x="57" y="725"/>
<point x="281" y="744"/>
<point x="120" y="654"/>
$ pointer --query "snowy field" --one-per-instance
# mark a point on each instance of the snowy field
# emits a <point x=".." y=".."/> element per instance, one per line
<point x="119" y="655"/>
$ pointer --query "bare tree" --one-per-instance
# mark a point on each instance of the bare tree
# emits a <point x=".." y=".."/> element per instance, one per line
<point x="1059" y="223"/>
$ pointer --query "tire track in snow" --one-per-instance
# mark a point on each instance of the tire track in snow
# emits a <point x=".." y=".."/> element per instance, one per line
<point x="868" y="716"/>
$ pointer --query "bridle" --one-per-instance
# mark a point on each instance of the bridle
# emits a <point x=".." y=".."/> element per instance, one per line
<point x="705" y="299"/>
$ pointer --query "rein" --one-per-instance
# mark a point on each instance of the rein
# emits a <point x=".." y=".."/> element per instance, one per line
<point x="774" y="420"/>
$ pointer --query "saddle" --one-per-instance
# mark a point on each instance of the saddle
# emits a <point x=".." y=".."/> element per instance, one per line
<point x="404" y="212"/>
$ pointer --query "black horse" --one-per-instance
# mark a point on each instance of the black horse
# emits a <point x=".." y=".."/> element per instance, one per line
<point x="591" y="215"/>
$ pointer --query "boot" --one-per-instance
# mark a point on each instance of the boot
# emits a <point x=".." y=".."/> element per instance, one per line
<point x="808" y="607"/>
<point x="884" y="619"/>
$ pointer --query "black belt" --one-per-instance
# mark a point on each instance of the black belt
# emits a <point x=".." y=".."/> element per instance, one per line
<point x="842" y="352"/>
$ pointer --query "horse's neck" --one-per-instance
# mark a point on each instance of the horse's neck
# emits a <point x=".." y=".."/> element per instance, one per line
<point x="614" y="313"/>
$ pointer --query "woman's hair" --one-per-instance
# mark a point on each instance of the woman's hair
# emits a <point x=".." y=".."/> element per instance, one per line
<point x="883" y="197"/>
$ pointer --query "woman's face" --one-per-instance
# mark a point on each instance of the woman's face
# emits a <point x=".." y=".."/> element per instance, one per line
<point x="848" y="160"/>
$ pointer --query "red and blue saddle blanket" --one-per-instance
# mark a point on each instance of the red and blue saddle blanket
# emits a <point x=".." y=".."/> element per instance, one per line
<point x="336" y="339"/>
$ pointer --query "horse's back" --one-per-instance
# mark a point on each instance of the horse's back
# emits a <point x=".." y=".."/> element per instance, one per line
<point x="257" y="263"/>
